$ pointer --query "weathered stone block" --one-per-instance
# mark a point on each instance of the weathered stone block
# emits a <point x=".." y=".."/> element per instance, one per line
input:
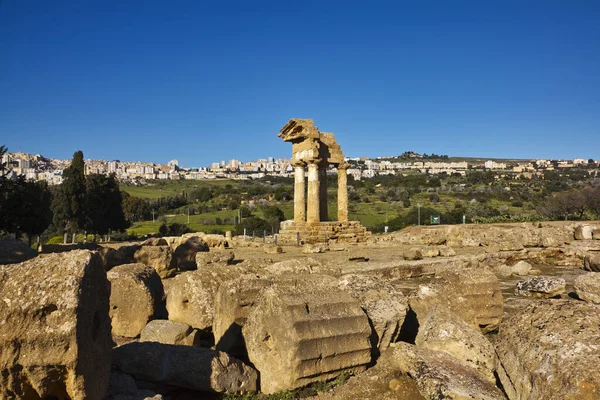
<point x="117" y="254"/>
<point x="136" y="297"/>
<point x="158" y="257"/>
<point x="190" y="296"/>
<point x="549" y="351"/>
<point x="541" y="287"/>
<point x="194" y="368"/>
<point x="413" y="254"/>
<point x="169" y="332"/>
<point x="443" y="330"/>
<point x="296" y="336"/>
<point x="234" y="301"/>
<point x="591" y="262"/>
<point x="473" y="293"/>
<point x="185" y="251"/>
<point x="584" y="232"/>
<point x="221" y="258"/>
<point x="55" y="337"/>
<point x="441" y="376"/>
<point x="271" y="249"/>
<point x="587" y="287"/>
<point x="447" y="251"/>
<point x="384" y="304"/>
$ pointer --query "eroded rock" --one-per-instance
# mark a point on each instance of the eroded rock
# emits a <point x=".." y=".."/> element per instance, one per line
<point x="591" y="262"/>
<point x="136" y="297"/>
<point x="55" y="337"/>
<point x="194" y="368"/>
<point x="443" y="330"/>
<point x="301" y="333"/>
<point x="185" y="251"/>
<point x="169" y="332"/>
<point x="384" y="304"/>
<point x="306" y="265"/>
<point x="441" y="376"/>
<point x="473" y="293"/>
<point x="587" y="287"/>
<point x="221" y="258"/>
<point x="413" y="254"/>
<point x="550" y="351"/>
<point x="541" y="287"/>
<point x="158" y="257"/>
<point x="190" y="295"/>
<point x="234" y="301"/>
<point x="584" y="232"/>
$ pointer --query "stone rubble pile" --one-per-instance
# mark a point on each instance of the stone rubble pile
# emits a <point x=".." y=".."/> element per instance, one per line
<point x="187" y="318"/>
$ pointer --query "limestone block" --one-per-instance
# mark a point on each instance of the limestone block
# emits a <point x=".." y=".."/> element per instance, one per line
<point x="384" y="304"/>
<point x="587" y="287"/>
<point x="472" y="293"/>
<point x="384" y="381"/>
<point x="584" y="232"/>
<point x="213" y="241"/>
<point x="521" y="268"/>
<point x="502" y="271"/>
<point x="447" y="251"/>
<point x="190" y="297"/>
<point x="222" y="258"/>
<point x="306" y="265"/>
<point x="303" y="333"/>
<point x="117" y="254"/>
<point x="549" y="351"/>
<point x="136" y="297"/>
<point x="541" y="287"/>
<point x="443" y="330"/>
<point x="314" y="248"/>
<point x="441" y="376"/>
<point x="185" y="251"/>
<point x="271" y="249"/>
<point x="121" y="385"/>
<point x="14" y="251"/>
<point x="155" y="242"/>
<point x="234" y="301"/>
<point x="596" y="234"/>
<point x="430" y="251"/>
<point x="169" y="332"/>
<point x="413" y="254"/>
<point x="189" y="367"/>
<point x="591" y="262"/>
<point x="55" y="337"/>
<point x="158" y="257"/>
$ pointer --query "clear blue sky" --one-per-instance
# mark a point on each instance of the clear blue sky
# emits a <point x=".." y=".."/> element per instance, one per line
<point x="204" y="81"/>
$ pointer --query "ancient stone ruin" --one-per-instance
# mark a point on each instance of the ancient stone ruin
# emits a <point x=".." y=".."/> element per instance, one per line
<point x="316" y="151"/>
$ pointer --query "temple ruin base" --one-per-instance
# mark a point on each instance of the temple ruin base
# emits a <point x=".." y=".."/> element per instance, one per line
<point x="324" y="232"/>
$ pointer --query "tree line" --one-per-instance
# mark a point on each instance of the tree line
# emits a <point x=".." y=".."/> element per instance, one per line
<point x="81" y="204"/>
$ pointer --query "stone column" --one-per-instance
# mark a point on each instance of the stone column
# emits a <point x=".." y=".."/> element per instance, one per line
<point x="313" y="202"/>
<point x="342" y="193"/>
<point x="323" y="211"/>
<point x="299" y="196"/>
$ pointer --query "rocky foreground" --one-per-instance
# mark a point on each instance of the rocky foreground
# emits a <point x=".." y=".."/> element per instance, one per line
<point x="445" y="312"/>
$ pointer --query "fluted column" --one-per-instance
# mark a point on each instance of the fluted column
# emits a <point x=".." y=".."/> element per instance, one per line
<point x="299" y="196"/>
<point x="313" y="201"/>
<point x="323" y="209"/>
<point x="342" y="193"/>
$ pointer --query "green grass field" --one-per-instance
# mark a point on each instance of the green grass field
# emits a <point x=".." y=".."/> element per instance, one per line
<point x="166" y="188"/>
<point x="196" y="223"/>
<point x="370" y="211"/>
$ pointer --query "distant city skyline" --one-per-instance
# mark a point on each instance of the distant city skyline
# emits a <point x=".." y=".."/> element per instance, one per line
<point x="204" y="82"/>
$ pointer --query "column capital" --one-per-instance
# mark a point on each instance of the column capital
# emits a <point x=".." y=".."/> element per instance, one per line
<point x="298" y="164"/>
<point x="343" y="166"/>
